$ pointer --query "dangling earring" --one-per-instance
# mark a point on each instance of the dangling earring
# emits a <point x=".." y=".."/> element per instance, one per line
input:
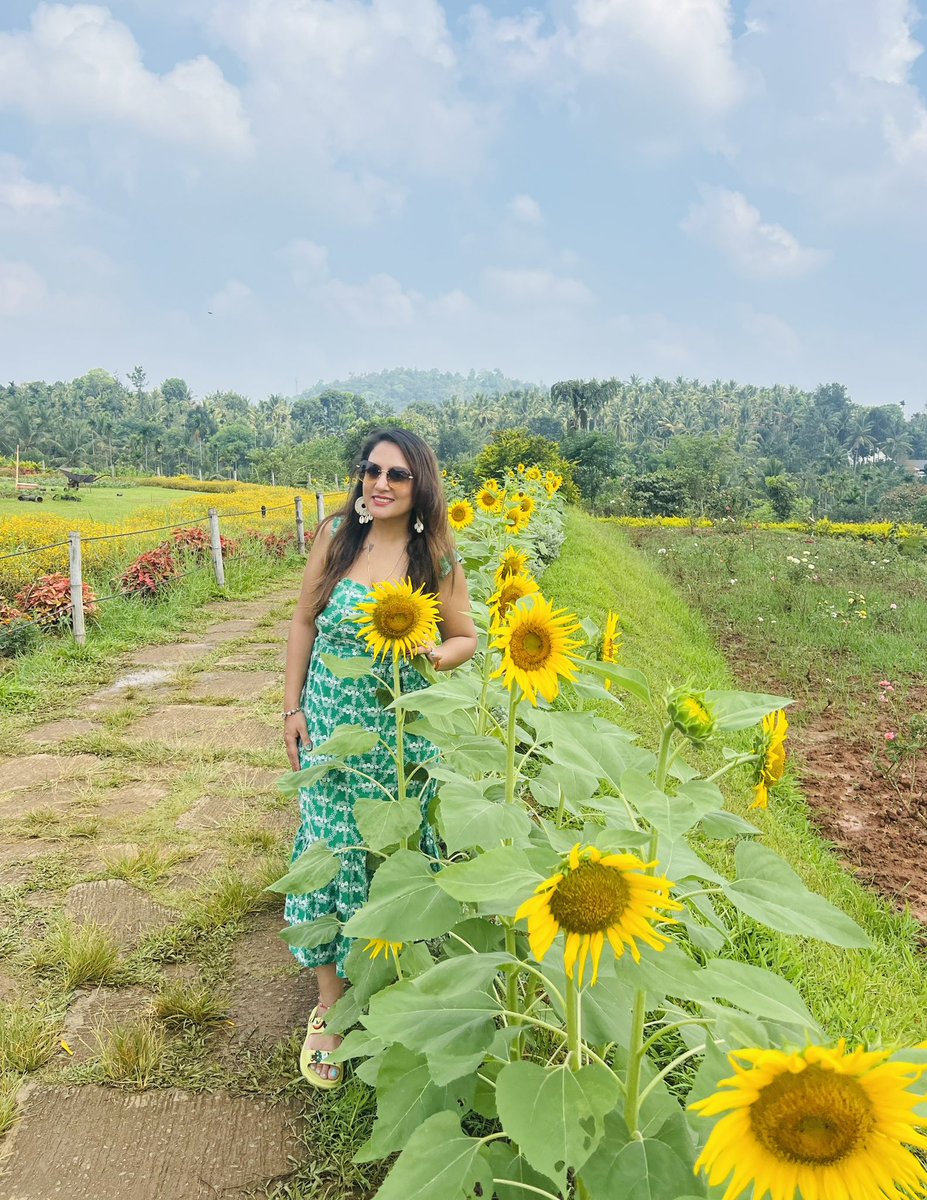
<point x="363" y="512"/>
<point x="418" y="526"/>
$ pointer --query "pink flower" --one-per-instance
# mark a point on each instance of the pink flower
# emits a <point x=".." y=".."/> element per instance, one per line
<point x="890" y="736"/>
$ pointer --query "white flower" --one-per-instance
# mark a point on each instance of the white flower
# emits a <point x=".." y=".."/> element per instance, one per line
<point x="662" y="550"/>
<point x="893" y="606"/>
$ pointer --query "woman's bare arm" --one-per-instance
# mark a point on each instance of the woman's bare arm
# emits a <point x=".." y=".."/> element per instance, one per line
<point x="458" y="632"/>
<point x="299" y="647"/>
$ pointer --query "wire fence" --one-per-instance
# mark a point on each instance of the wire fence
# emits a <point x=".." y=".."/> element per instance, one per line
<point x="217" y="550"/>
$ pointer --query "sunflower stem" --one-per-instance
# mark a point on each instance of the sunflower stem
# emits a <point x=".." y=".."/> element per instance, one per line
<point x="574" y="1053"/>
<point x="510" y="745"/>
<point x="400" y="754"/>
<point x="487" y="663"/>
<point x="511" y="992"/>
<point x="635" y="1061"/>
<point x="663" y="761"/>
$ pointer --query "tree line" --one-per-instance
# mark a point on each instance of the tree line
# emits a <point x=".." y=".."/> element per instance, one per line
<point x="632" y="445"/>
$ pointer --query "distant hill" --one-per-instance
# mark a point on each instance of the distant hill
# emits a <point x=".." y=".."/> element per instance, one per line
<point x="406" y="385"/>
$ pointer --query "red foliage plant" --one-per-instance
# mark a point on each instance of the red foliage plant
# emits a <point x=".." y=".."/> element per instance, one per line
<point x="9" y="613"/>
<point x="194" y="539"/>
<point x="48" y="600"/>
<point x="278" y="545"/>
<point x="150" y="573"/>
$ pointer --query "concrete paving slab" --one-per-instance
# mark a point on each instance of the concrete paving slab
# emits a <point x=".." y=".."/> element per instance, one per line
<point x="97" y="1143"/>
<point x="177" y="654"/>
<point x="129" y="799"/>
<point x="196" y="872"/>
<point x="271" y="997"/>
<point x="94" y="1014"/>
<point x="193" y="725"/>
<point x="257" y="654"/>
<point x="53" y="732"/>
<point x="49" y="771"/>
<point x="126" y="910"/>
<point x="234" y="685"/>
<point x="210" y="812"/>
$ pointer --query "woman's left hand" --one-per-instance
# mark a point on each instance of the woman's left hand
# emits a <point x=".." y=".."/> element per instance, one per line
<point x="432" y="653"/>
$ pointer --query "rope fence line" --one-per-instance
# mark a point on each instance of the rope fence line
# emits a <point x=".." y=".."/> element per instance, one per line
<point x="75" y="551"/>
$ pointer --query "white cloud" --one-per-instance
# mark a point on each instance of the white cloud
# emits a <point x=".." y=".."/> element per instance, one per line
<point x="770" y="332"/>
<point x="22" y="289"/>
<point x="727" y="221"/>
<point x="78" y="64"/>
<point x="380" y="302"/>
<point x="684" y="46"/>
<point x="372" y="85"/>
<point x="308" y="261"/>
<point x="526" y="209"/>
<point x="880" y="43"/>
<point x="513" y="50"/>
<point x="24" y="198"/>
<point x="230" y="299"/>
<point x="536" y="286"/>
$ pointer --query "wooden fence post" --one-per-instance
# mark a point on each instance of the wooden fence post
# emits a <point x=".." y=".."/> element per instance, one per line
<point x="216" y="538"/>
<point x="300" y="526"/>
<point x="77" y="589"/>
<point x="320" y="506"/>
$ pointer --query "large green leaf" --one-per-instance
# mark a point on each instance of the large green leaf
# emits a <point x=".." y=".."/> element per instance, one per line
<point x="635" y="1168"/>
<point x="494" y="877"/>
<point x="439" y="1163"/>
<point x="386" y="822"/>
<point x="727" y="825"/>
<point x="308" y="934"/>
<point x="740" y="710"/>
<point x="555" y="1115"/>
<point x="628" y="678"/>
<point x="769" y="891"/>
<point x="407" y="1096"/>
<point x="467" y="819"/>
<point x="348" y="668"/>
<point x="677" y="860"/>
<point x="405" y="904"/>
<point x="451" y="694"/>
<point x="453" y="1031"/>
<point x="315" y="868"/>
<point x="756" y="991"/>
<point x="346" y="741"/>
<point x="507" y="1164"/>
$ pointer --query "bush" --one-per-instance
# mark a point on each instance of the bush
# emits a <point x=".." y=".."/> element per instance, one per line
<point x="47" y="601"/>
<point x="150" y="573"/>
<point x="17" y="632"/>
<point x="194" y="539"/>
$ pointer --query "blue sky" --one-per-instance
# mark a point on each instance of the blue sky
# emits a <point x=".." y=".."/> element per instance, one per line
<point x="256" y="194"/>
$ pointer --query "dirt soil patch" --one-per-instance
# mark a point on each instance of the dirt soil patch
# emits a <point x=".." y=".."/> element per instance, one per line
<point x="878" y="827"/>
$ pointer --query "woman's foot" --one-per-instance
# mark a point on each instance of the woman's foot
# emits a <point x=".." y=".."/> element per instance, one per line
<point x="316" y="1048"/>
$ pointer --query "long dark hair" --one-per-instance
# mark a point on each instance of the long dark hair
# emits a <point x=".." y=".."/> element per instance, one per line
<point x="431" y="554"/>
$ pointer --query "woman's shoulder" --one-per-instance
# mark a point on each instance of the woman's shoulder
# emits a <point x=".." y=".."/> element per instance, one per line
<point x="447" y="562"/>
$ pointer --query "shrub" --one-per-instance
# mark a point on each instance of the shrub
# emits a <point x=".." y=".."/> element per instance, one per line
<point x="278" y="545"/>
<point x="47" y="601"/>
<point x="17" y="636"/>
<point x="194" y="539"/>
<point x="150" y="573"/>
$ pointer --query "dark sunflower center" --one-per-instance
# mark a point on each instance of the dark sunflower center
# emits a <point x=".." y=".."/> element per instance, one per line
<point x="816" y="1117"/>
<point x="530" y="647"/>
<point x="590" y="899"/>
<point x="395" y="617"/>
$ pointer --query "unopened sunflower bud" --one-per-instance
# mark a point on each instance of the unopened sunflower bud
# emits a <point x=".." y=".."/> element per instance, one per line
<point x="691" y="715"/>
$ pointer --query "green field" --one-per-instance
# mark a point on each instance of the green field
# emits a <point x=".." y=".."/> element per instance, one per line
<point x="96" y="504"/>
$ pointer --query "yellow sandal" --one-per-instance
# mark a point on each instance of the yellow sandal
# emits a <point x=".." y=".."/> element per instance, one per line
<point x="309" y="1058"/>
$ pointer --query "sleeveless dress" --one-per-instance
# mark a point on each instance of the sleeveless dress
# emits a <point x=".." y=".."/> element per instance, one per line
<point x="327" y="807"/>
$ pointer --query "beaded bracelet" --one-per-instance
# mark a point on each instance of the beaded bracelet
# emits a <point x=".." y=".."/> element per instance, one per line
<point x="291" y="712"/>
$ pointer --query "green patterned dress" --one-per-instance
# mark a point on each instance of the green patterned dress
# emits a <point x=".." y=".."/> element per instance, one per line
<point x="327" y="807"/>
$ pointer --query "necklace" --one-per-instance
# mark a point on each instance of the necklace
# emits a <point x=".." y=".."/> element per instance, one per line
<point x="369" y="549"/>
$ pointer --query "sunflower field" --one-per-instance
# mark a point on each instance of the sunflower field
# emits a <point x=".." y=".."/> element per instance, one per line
<point x="553" y="1007"/>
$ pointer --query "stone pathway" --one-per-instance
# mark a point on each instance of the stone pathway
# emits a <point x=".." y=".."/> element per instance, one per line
<point x="142" y="814"/>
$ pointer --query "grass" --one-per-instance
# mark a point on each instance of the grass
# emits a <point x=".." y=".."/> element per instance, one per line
<point x="9" y="1088"/>
<point x="184" y="1003"/>
<point x="876" y="994"/>
<point x="81" y="954"/>
<point x="28" y="1037"/>
<point x="95" y="504"/>
<point x="132" y="1052"/>
<point x="146" y="866"/>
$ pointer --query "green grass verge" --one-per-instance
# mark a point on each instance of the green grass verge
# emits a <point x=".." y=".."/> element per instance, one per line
<point x="879" y="994"/>
<point x="108" y="504"/>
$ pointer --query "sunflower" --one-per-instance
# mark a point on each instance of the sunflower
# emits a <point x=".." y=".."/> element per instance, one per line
<point x="516" y="519"/>
<point x="525" y="502"/>
<point x="377" y="946"/>
<point x="460" y="514"/>
<point x="611" y="642"/>
<point x="770" y="749"/>
<point x="492" y="484"/>
<point x="512" y="562"/>
<point x="508" y="592"/>
<point x="831" y="1124"/>
<point x="533" y="473"/>
<point x="552" y="486"/>
<point x="489" y="500"/>
<point x="593" y="897"/>
<point x="690" y="715"/>
<point x="536" y="647"/>
<point x="397" y="619"/>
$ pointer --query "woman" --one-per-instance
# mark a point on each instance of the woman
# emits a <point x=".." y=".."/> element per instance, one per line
<point x="393" y="527"/>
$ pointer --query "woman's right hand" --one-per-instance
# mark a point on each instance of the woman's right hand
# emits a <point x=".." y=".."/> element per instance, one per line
<point x="296" y="733"/>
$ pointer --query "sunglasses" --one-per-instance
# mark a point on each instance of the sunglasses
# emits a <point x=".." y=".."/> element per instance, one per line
<point x="370" y="470"/>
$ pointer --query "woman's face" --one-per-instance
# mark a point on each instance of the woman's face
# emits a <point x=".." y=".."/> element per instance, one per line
<point x="388" y="498"/>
